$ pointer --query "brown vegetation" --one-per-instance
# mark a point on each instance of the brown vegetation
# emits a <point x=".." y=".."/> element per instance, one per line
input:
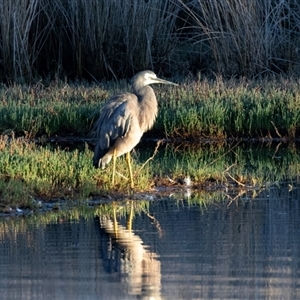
<point x="96" y="39"/>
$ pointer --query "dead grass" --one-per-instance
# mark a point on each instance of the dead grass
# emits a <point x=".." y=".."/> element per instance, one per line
<point x="246" y="37"/>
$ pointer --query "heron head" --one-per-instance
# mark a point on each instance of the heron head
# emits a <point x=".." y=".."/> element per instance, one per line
<point x="147" y="77"/>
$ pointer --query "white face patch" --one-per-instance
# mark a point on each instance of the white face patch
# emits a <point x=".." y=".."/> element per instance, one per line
<point x="149" y="78"/>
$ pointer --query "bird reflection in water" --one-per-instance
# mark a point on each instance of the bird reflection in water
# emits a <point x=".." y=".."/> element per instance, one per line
<point x="127" y="254"/>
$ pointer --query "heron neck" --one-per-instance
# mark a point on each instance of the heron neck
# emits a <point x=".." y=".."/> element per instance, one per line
<point x="148" y="107"/>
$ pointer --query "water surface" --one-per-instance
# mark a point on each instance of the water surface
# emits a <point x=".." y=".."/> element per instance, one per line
<point x="176" y="249"/>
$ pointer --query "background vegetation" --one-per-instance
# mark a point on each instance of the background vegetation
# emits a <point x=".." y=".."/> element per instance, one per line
<point x="202" y="108"/>
<point x="112" y="39"/>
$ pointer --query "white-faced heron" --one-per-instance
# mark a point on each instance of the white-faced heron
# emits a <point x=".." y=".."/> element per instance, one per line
<point x="124" y="119"/>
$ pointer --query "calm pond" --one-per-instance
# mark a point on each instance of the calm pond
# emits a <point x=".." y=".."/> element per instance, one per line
<point x="241" y="244"/>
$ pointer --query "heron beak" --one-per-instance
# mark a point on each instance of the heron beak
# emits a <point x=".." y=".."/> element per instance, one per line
<point x="159" y="80"/>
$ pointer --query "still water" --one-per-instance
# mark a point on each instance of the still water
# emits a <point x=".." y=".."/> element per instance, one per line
<point x="176" y="249"/>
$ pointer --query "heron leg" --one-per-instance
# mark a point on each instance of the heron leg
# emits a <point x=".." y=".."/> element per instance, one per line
<point x="114" y="167"/>
<point x="130" y="169"/>
<point x="115" y="222"/>
<point x="130" y="217"/>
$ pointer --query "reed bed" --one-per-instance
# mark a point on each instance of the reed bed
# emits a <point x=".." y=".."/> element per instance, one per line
<point x="83" y="38"/>
<point x="245" y="37"/>
<point x="112" y="39"/>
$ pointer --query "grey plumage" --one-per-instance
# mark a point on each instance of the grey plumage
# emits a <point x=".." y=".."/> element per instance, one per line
<point x="124" y="119"/>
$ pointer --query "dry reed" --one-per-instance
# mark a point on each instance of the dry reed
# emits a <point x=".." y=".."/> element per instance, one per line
<point x="246" y="37"/>
<point x="84" y="38"/>
<point x="112" y="39"/>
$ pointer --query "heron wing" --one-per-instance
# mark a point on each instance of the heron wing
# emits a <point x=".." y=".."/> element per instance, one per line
<point x="115" y="119"/>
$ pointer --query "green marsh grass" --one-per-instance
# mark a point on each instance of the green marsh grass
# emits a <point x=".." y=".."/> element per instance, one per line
<point x="220" y="109"/>
<point x="240" y="164"/>
<point x="28" y="171"/>
<point x="197" y="108"/>
<point x="33" y="111"/>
